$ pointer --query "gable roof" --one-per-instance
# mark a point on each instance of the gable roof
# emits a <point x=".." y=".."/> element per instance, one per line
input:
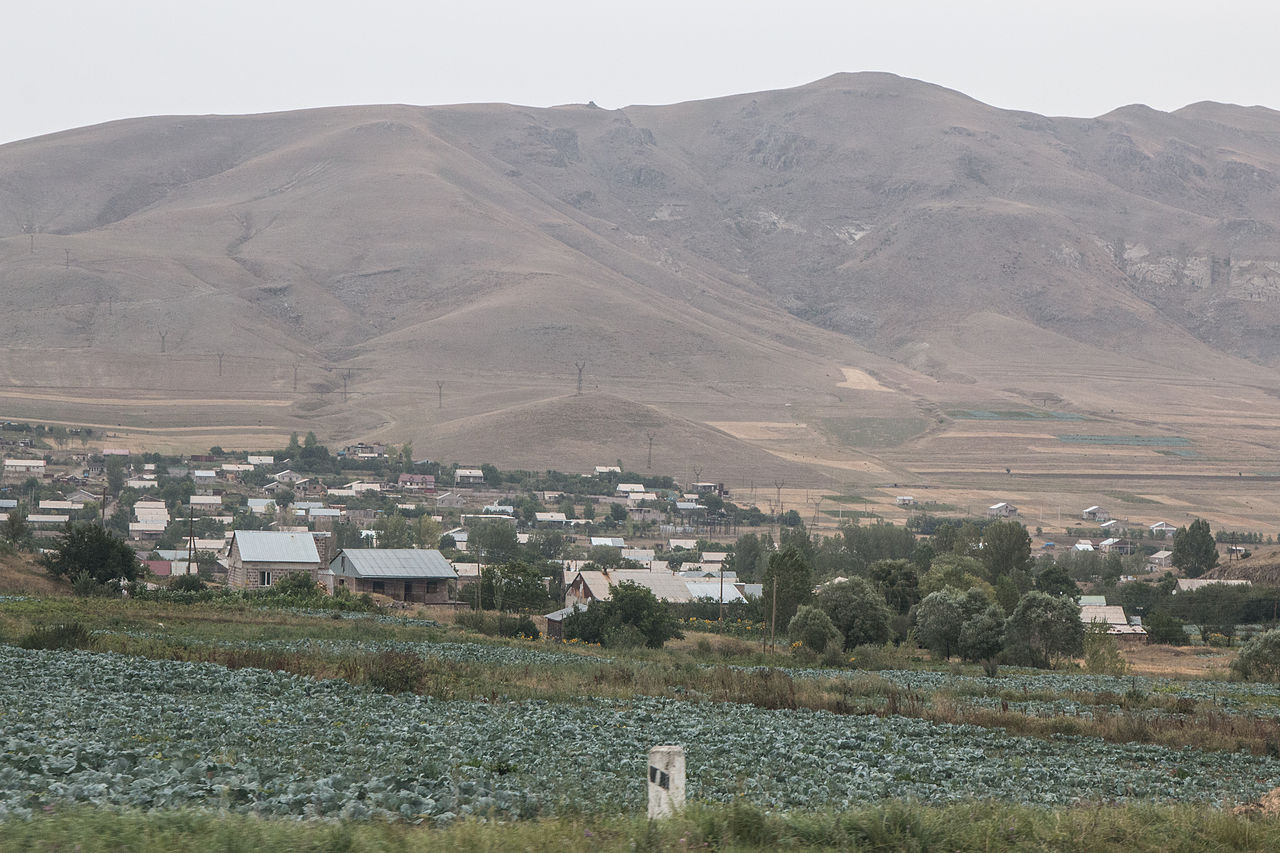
<point x="392" y="563"/>
<point x="273" y="546"/>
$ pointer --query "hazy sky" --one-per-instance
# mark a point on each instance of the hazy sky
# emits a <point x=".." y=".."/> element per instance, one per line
<point x="81" y="62"/>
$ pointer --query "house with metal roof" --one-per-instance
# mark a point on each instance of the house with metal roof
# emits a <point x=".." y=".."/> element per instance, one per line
<point x="260" y="558"/>
<point x="404" y="574"/>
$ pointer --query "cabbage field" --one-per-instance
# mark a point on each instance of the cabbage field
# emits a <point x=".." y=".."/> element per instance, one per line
<point x="82" y="727"/>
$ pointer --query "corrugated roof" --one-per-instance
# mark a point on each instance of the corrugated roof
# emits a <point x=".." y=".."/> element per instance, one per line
<point x="711" y="589"/>
<point x="392" y="563"/>
<point x="273" y="546"/>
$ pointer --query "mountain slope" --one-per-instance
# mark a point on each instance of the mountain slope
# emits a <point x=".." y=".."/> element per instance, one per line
<point x="716" y="262"/>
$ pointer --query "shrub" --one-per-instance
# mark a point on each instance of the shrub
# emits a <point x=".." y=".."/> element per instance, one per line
<point x="395" y="672"/>
<point x="186" y="583"/>
<point x="982" y="638"/>
<point x="517" y="626"/>
<point x="67" y="635"/>
<point x="478" y="621"/>
<point x="1166" y="629"/>
<point x="814" y="630"/>
<point x="1259" y="660"/>
<point x="1041" y="628"/>
<point x="1101" y="654"/>
<point x="630" y="605"/>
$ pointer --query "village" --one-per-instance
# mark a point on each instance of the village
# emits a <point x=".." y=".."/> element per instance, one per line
<point x="369" y="519"/>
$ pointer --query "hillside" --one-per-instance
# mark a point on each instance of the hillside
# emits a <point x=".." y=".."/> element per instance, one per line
<point x="793" y="282"/>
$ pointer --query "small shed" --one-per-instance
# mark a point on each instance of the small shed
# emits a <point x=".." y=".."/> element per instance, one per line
<point x="555" y="621"/>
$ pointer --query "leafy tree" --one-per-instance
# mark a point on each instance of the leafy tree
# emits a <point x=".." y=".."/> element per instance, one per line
<point x="747" y="556"/>
<point x="875" y="542"/>
<point x="790" y="578"/>
<point x="955" y="571"/>
<point x="1042" y="627"/>
<point x="857" y="610"/>
<point x="15" y="530"/>
<point x="617" y="512"/>
<point x="791" y="518"/>
<point x="1164" y="629"/>
<point x="898" y="582"/>
<point x="982" y="638"/>
<point x="394" y="531"/>
<point x="1194" y="550"/>
<point x="797" y="538"/>
<point x="546" y="545"/>
<point x="513" y="587"/>
<point x="495" y="542"/>
<point x="814" y="630"/>
<point x="89" y="549"/>
<point x="1006" y="549"/>
<point x="425" y="531"/>
<point x="630" y="611"/>
<point x="1259" y="660"/>
<point x="115" y="474"/>
<point x="1056" y="580"/>
<point x="939" y="619"/>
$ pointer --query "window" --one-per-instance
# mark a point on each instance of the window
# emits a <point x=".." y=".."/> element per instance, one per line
<point x="264" y="578"/>
<point x="379" y="587"/>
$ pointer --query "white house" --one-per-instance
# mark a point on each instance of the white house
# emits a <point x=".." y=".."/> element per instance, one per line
<point x="1096" y="513"/>
<point x="1002" y="510"/>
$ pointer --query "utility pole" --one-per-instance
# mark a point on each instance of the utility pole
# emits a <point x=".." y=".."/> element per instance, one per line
<point x="581" y="365"/>
<point x="191" y="537"/>
<point x="295" y="378"/>
<point x="440" y="393"/>
<point x="220" y="363"/>
<point x="163" y="335"/>
<point x="345" y="377"/>
<point x="773" y="618"/>
<point x="650" y="436"/>
<point x="68" y="251"/>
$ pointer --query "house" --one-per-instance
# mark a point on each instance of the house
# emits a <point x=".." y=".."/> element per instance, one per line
<point x="357" y="487"/>
<point x="608" y="469"/>
<point x="69" y="506"/>
<point x="468" y="477"/>
<point x="550" y="518"/>
<point x="261" y="460"/>
<point x="555" y="621"/>
<point x="711" y="489"/>
<point x="450" y="500"/>
<point x="1192" y="584"/>
<point x="1161" y="529"/>
<point x="499" y="509"/>
<point x="417" y="482"/>
<point x="683" y="544"/>
<point x="904" y="500"/>
<point x="289" y="477"/>
<point x="1093" y="600"/>
<point x="644" y="556"/>
<point x="1160" y="560"/>
<point x="592" y="586"/>
<point x="712" y="589"/>
<point x="608" y="541"/>
<point x="204" y="476"/>
<point x="1116" y="546"/>
<point x="1111" y="616"/>
<point x="624" y="490"/>
<point x="1002" y="510"/>
<point x="205" y="503"/>
<point x="24" y="466"/>
<point x="1096" y="513"/>
<point x="259" y="558"/>
<point x="1083" y="545"/>
<point x="403" y="574"/>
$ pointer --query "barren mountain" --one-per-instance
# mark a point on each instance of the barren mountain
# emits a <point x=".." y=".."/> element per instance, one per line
<point x="830" y="278"/>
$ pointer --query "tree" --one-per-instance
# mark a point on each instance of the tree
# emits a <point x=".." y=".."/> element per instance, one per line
<point x="898" y="583"/>
<point x="1006" y="549"/>
<point x="814" y="630"/>
<point x="857" y="610"/>
<point x="426" y="531"/>
<point x="952" y="570"/>
<point x="746" y="557"/>
<point x="790" y="577"/>
<point x="115" y="474"/>
<point x="1194" y="551"/>
<point x="982" y="638"/>
<point x="89" y="549"/>
<point x="394" y="531"/>
<point x="15" y="529"/>
<point x="939" y="619"/>
<point x="1165" y="629"/>
<point x="513" y="587"/>
<point x="630" y="616"/>
<point x="1041" y="628"/>
<point x="1259" y="660"/>
<point x="1056" y="580"/>
<point x="495" y="542"/>
<point x="617" y="512"/>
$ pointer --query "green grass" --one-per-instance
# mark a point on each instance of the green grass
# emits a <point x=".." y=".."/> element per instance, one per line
<point x="873" y="432"/>
<point x="731" y="827"/>
<point x="1132" y="498"/>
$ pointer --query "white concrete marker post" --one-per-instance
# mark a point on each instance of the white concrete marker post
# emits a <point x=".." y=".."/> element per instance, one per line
<point x="666" y="781"/>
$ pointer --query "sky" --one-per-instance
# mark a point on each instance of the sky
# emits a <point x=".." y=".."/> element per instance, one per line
<point x="81" y="62"/>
